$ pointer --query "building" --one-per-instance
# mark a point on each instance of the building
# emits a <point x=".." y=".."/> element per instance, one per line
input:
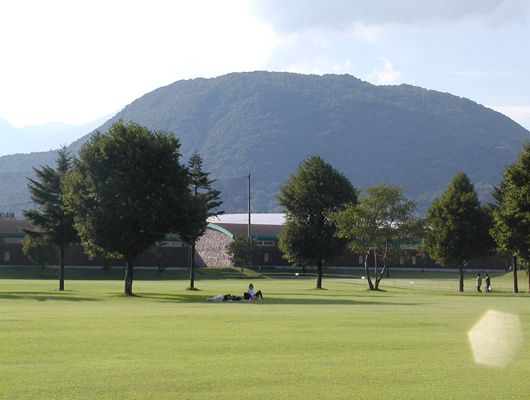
<point x="211" y="248"/>
<point x="171" y="253"/>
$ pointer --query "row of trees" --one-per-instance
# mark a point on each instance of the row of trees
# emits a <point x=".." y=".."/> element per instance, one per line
<point x="126" y="191"/>
<point x="325" y="214"/>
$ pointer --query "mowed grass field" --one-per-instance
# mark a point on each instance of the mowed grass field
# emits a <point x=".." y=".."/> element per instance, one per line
<point x="343" y="342"/>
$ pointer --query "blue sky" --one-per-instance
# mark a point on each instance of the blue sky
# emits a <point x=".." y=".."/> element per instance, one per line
<point x="76" y="61"/>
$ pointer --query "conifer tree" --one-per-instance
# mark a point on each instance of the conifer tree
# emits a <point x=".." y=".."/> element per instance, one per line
<point x="457" y="226"/>
<point x="201" y="189"/>
<point x="511" y="212"/>
<point x="54" y="224"/>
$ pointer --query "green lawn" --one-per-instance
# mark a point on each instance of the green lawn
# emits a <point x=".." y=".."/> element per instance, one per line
<point x="405" y="342"/>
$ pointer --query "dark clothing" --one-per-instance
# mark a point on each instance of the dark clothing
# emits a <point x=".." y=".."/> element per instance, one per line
<point x="248" y="296"/>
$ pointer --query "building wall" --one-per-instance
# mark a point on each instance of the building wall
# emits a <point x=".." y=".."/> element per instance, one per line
<point x="169" y="256"/>
<point x="211" y="250"/>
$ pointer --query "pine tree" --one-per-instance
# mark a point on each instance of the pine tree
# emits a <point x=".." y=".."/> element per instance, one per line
<point x="458" y="226"/>
<point x="511" y="212"/>
<point x="201" y="188"/>
<point x="54" y="224"/>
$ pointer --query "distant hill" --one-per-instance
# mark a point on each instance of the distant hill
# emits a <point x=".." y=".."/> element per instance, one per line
<point x="12" y="139"/>
<point x="265" y="123"/>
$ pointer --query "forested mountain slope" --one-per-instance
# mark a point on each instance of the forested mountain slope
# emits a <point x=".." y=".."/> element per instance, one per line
<point x="265" y="123"/>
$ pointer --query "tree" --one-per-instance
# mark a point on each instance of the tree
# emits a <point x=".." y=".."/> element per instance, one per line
<point x="39" y="251"/>
<point x="127" y="191"/>
<point x="54" y="223"/>
<point x="308" y="197"/>
<point x="201" y="189"/>
<point x="457" y="226"/>
<point x="241" y="250"/>
<point x="511" y="212"/>
<point x="377" y="226"/>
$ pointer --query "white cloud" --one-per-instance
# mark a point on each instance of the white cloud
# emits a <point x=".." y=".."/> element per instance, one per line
<point x="386" y="75"/>
<point x="300" y="15"/>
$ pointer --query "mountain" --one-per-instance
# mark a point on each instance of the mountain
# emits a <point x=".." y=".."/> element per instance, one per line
<point x="13" y="139"/>
<point x="265" y="123"/>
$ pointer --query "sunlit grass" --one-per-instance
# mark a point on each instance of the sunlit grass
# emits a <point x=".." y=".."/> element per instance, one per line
<point x="344" y="342"/>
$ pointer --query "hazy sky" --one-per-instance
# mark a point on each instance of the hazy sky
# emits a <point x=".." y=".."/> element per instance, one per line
<point x="76" y="61"/>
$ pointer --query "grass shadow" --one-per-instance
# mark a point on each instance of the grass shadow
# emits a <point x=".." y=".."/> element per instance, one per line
<point x="44" y="296"/>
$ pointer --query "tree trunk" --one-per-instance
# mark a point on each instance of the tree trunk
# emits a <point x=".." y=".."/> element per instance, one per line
<point x="129" y="277"/>
<point x="528" y="274"/>
<point x="61" y="267"/>
<point x="460" y="278"/>
<point x="367" y="271"/>
<point x="377" y="276"/>
<point x="319" y="274"/>
<point x="192" y="266"/>
<point x="514" y="267"/>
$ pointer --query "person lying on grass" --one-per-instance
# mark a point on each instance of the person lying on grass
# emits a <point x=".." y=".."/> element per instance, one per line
<point x="220" y="297"/>
<point x="224" y="297"/>
<point x="250" y="294"/>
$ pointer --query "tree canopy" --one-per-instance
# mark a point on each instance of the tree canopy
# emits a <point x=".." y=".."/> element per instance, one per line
<point x="128" y="190"/>
<point x="511" y="210"/>
<point x="308" y="197"/>
<point x="53" y="221"/>
<point x="242" y="250"/>
<point x="457" y="226"/>
<point x="377" y="225"/>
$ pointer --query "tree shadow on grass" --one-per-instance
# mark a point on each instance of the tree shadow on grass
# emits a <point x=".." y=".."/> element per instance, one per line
<point x="188" y="297"/>
<point x="330" y="301"/>
<point x="276" y="300"/>
<point x="44" y="296"/>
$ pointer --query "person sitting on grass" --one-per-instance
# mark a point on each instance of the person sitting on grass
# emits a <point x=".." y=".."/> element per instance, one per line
<point x="250" y="294"/>
<point x="220" y="297"/>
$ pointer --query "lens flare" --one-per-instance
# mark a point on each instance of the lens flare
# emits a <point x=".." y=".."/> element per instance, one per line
<point x="495" y="338"/>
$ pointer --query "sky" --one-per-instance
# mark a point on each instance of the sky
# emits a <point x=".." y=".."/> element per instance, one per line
<point x="76" y="61"/>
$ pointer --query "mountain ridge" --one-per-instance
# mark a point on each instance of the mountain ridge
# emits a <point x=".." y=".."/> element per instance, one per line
<point x="265" y="123"/>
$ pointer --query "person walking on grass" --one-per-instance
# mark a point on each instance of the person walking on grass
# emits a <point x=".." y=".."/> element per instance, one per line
<point x="487" y="283"/>
<point x="479" y="283"/>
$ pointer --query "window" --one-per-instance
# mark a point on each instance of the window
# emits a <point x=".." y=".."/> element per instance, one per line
<point x="266" y="257"/>
<point x="172" y="243"/>
<point x="7" y="256"/>
<point x="11" y="240"/>
<point x="265" y="243"/>
<point x="413" y="260"/>
<point x="360" y="260"/>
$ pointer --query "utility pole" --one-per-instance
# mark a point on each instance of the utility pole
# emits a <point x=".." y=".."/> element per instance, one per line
<point x="249" y="224"/>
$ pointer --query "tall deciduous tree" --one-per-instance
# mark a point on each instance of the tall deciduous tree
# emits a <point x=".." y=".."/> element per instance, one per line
<point x="377" y="226"/>
<point x="201" y="189"/>
<point x="127" y="191"/>
<point x="55" y="223"/>
<point x="457" y="226"/>
<point x="511" y="212"/>
<point x="308" y="197"/>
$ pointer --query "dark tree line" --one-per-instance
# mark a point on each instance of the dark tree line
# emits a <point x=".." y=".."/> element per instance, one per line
<point x="325" y="214"/>
<point x="126" y="191"/>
